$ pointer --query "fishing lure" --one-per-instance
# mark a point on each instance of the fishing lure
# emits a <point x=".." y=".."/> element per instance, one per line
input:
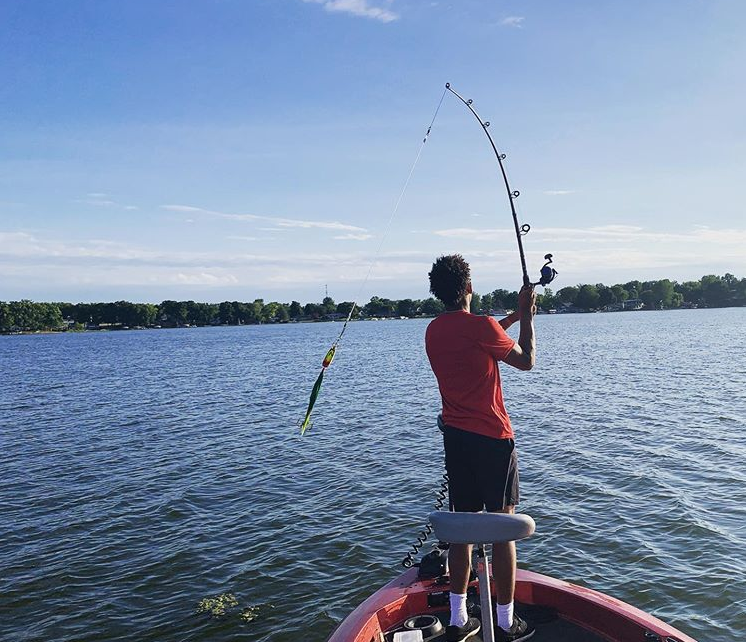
<point x="305" y="424"/>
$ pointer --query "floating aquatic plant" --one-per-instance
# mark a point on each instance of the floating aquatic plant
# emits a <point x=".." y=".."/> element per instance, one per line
<point x="218" y="605"/>
<point x="249" y="614"/>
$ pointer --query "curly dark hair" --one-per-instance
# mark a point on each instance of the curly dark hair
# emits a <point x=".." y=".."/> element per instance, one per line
<point x="449" y="280"/>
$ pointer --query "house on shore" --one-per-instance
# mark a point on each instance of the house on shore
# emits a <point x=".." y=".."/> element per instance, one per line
<point x="632" y="304"/>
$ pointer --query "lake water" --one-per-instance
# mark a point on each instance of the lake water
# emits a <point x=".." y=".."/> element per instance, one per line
<point x="143" y="471"/>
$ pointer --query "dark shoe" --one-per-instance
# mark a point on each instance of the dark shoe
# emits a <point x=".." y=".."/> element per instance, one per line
<point x="460" y="633"/>
<point x="521" y="630"/>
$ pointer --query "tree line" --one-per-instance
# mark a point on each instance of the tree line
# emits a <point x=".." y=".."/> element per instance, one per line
<point x="710" y="291"/>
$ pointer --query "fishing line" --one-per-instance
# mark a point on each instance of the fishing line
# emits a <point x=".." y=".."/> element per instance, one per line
<point x="401" y="194"/>
<point x="305" y="422"/>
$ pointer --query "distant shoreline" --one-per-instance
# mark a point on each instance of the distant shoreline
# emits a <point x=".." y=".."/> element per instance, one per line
<point x="121" y="328"/>
<point x="710" y="291"/>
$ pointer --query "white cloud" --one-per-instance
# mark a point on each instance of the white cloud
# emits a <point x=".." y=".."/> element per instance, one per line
<point x="182" y="208"/>
<point x="98" y="199"/>
<point x="616" y="229"/>
<point x="41" y="267"/>
<point x="611" y="253"/>
<point x="513" y="21"/>
<point x="361" y="8"/>
<point x="99" y="202"/>
<point x="205" y="278"/>
<point x="472" y="233"/>
<point x="604" y="234"/>
<point x="559" y="192"/>
<point x="21" y="245"/>
<point x="280" y="222"/>
<point x="52" y="265"/>
<point x="324" y="225"/>
<point x="353" y="237"/>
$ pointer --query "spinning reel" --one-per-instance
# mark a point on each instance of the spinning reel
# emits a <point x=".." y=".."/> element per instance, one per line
<point x="547" y="273"/>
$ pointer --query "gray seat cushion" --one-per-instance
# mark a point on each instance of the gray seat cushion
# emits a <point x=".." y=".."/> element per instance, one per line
<point x="480" y="528"/>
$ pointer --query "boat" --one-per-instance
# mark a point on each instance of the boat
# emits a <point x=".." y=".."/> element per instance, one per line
<point x="414" y="607"/>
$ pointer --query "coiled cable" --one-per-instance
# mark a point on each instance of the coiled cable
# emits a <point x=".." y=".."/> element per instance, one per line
<point x="440" y="500"/>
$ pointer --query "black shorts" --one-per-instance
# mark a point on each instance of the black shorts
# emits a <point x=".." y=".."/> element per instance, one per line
<point x="482" y="471"/>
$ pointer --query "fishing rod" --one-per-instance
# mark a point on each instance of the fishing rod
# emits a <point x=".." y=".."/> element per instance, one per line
<point x="547" y="273"/>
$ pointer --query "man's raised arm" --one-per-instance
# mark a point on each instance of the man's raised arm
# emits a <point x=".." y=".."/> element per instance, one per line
<point x="523" y="354"/>
<point x="509" y="320"/>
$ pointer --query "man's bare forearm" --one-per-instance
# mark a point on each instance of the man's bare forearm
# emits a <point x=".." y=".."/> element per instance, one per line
<point x="509" y="320"/>
<point x="526" y="338"/>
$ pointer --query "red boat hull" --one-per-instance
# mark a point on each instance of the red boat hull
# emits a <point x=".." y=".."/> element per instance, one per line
<point x="595" y="612"/>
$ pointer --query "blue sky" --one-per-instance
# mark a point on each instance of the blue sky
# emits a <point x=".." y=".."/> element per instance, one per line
<point x="236" y="149"/>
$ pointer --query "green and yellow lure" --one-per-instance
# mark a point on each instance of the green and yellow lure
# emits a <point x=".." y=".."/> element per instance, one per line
<point x="305" y="424"/>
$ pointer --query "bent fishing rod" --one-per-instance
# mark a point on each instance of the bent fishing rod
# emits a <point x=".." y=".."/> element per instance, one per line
<point x="547" y="273"/>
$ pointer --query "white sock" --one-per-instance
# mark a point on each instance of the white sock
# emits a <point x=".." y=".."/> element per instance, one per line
<point x="459" y="616"/>
<point x="505" y="616"/>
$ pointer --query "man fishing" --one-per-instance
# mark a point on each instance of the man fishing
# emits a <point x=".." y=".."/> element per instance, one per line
<point x="481" y="461"/>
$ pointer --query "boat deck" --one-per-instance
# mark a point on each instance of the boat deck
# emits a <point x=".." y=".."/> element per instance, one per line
<point x="560" y="612"/>
<point x="549" y="627"/>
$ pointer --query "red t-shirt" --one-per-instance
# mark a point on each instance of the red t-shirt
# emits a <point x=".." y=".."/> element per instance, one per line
<point x="464" y="350"/>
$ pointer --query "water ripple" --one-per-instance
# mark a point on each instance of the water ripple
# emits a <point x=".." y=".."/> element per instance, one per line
<point x="144" y="471"/>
